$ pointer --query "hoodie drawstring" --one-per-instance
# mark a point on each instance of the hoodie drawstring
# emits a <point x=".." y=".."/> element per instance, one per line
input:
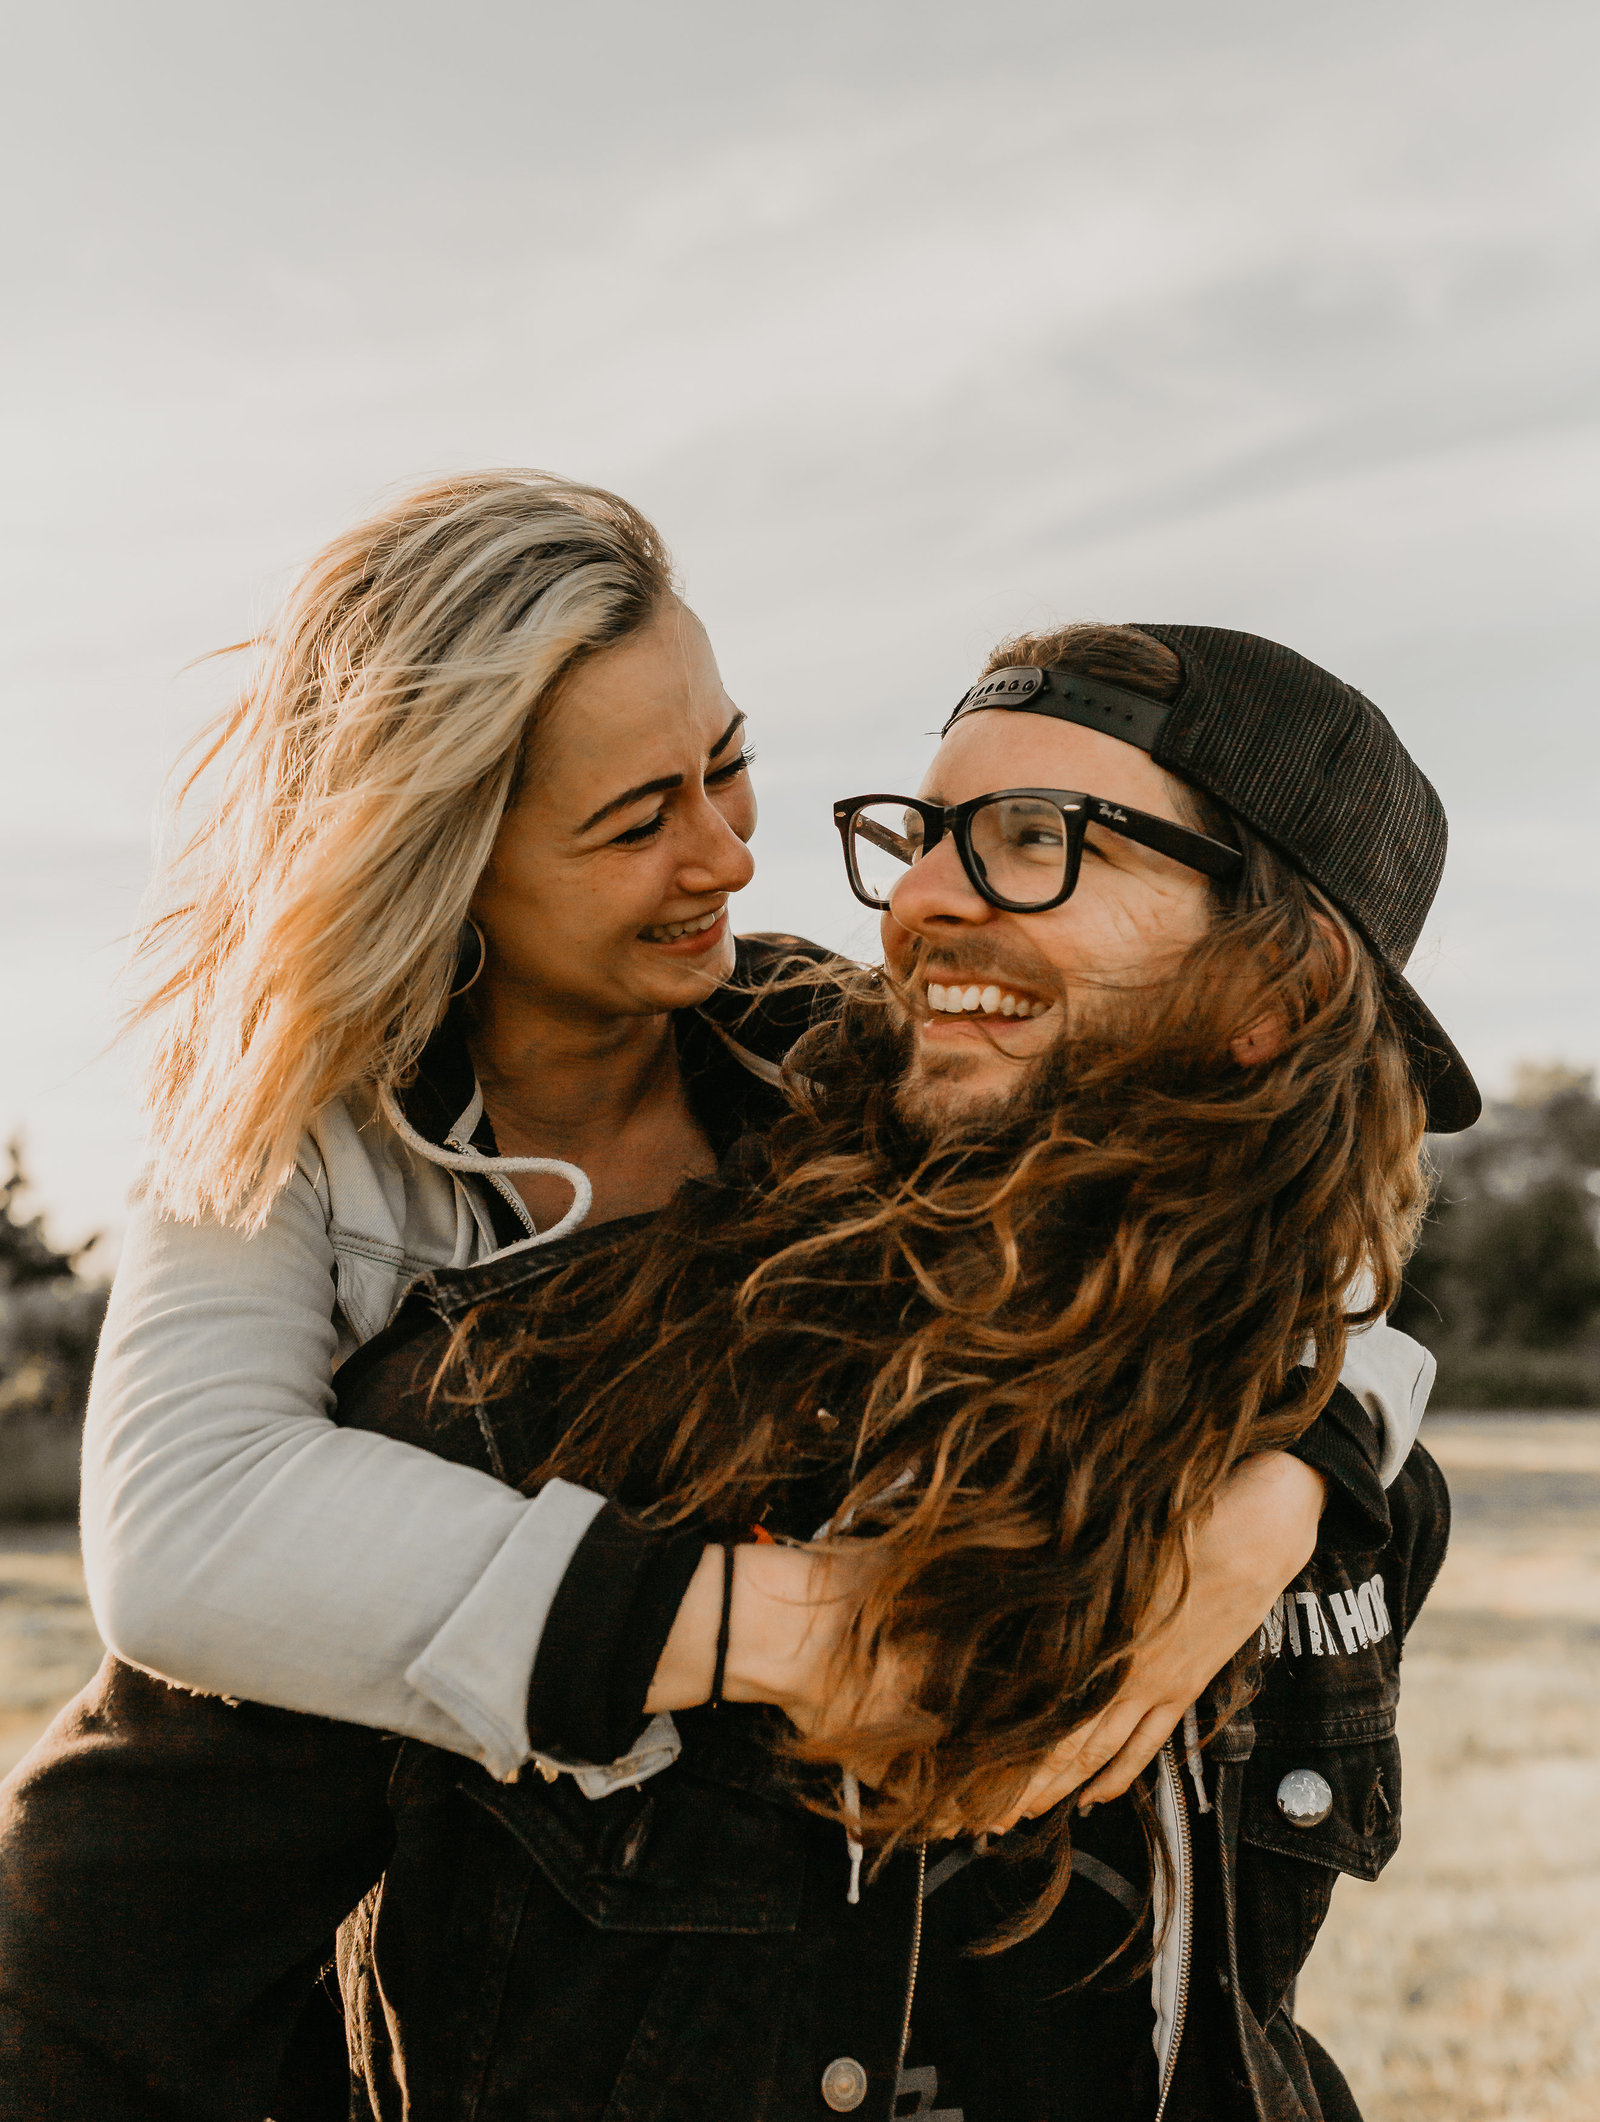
<point x="451" y="1160"/>
<point x="852" y="1835"/>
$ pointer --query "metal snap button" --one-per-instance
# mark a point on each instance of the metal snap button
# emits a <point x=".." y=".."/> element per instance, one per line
<point x="844" y="2084"/>
<point x="1305" y="1798"/>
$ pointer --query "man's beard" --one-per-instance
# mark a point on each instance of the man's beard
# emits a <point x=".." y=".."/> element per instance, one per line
<point x="931" y="1106"/>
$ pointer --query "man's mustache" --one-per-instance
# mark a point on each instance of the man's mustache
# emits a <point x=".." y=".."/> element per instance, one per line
<point x="966" y="966"/>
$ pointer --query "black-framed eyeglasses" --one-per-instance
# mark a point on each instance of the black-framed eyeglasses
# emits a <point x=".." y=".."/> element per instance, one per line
<point x="1021" y="847"/>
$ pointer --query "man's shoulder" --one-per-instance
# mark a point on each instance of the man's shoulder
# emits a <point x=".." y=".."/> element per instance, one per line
<point x="422" y="1378"/>
<point x="1419" y="1506"/>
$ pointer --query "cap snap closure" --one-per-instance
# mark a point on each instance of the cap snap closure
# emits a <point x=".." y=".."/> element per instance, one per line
<point x="844" y="2084"/>
<point x="1305" y="1798"/>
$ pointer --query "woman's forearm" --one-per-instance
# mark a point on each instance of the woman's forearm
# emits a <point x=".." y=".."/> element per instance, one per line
<point x="238" y="1542"/>
<point x="785" y="1618"/>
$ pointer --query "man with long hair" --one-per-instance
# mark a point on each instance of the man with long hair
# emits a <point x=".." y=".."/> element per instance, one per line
<point x="1082" y="1195"/>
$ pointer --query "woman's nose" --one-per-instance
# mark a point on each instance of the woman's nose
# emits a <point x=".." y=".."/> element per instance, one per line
<point x="936" y="893"/>
<point x="719" y="860"/>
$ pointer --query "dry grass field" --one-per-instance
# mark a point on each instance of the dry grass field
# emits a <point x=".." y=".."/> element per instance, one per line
<point x="48" y="1645"/>
<point x="1465" y="1985"/>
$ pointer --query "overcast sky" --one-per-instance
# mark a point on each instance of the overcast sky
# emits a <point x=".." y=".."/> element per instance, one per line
<point x="910" y="324"/>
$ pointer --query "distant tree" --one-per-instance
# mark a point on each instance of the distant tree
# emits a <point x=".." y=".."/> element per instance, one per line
<point x="1505" y="1286"/>
<point x="50" y="1314"/>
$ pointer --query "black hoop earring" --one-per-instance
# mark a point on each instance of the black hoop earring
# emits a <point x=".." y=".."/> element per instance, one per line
<point x="471" y="954"/>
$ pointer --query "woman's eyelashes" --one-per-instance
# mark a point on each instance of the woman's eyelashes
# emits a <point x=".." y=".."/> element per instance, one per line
<point x="636" y="835"/>
<point x="720" y="777"/>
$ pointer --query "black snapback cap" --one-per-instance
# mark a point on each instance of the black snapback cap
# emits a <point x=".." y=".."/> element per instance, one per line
<point x="1312" y="766"/>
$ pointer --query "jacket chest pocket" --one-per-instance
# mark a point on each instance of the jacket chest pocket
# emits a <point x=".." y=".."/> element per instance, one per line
<point x="1322" y="1784"/>
<point x="1321" y="1803"/>
<point x="1320" y="1790"/>
<point x="681" y="1853"/>
<point x="1333" y="1640"/>
<point x="1310" y="1808"/>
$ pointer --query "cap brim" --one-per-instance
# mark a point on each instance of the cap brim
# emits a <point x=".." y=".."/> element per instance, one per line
<point x="1452" y="1097"/>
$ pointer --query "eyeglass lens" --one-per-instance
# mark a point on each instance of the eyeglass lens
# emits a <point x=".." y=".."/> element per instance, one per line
<point x="1020" y="847"/>
<point x="885" y="840"/>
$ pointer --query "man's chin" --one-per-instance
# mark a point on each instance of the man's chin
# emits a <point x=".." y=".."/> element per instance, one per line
<point x="943" y="1093"/>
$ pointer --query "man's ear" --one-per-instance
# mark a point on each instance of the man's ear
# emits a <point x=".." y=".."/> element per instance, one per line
<point x="1261" y="1041"/>
<point x="1266" y="1038"/>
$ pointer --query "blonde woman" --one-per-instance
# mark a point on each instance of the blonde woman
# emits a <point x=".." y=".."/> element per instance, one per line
<point x="447" y="972"/>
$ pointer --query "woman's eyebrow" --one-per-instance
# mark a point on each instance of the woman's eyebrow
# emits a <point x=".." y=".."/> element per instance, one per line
<point x="660" y="786"/>
<point x="728" y="734"/>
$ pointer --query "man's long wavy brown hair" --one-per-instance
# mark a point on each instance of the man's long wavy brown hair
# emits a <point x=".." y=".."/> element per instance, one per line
<point x="1069" y="1327"/>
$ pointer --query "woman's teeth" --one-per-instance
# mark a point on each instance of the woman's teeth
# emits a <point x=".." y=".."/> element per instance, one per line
<point x="984" y="1001"/>
<point x="670" y="931"/>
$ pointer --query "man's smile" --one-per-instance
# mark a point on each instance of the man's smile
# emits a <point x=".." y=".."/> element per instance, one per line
<point x="999" y="1019"/>
<point x="986" y="999"/>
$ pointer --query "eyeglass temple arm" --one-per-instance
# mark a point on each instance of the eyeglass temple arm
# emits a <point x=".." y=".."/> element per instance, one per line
<point x="1214" y="858"/>
<point x="892" y="843"/>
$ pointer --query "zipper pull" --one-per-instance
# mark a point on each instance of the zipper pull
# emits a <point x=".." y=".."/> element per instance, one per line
<point x="1191" y="1750"/>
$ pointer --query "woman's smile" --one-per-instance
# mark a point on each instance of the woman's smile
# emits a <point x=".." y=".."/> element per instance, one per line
<point x="691" y="938"/>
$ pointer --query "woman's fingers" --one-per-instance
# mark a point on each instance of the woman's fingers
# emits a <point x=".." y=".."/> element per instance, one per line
<point x="1083" y="1754"/>
<point x="1078" y="1755"/>
<point x="1254" y="1542"/>
<point x="1070" y="1763"/>
<point x="1146" y="1740"/>
<point x="1074" y="1763"/>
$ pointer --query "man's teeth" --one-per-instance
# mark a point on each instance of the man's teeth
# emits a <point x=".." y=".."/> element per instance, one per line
<point x="984" y="1001"/>
<point x="670" y="931"/>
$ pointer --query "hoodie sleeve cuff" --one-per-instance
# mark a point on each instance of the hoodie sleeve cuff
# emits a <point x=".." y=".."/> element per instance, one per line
<point x="607" y="1627"/>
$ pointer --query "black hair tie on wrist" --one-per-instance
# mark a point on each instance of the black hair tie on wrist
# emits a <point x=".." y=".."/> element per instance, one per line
<point x="719" y="1671"/>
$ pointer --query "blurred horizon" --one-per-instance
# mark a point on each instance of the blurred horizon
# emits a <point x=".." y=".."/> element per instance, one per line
<point x="911" y="327"/>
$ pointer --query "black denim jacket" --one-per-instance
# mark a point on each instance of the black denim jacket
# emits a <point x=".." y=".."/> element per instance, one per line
<point x="173" y="1871"/>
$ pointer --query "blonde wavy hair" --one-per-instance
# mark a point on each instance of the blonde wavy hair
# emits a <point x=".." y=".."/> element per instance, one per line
<point x="305" y="935"/>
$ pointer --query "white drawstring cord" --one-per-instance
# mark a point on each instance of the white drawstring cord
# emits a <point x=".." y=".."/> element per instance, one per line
<point x="1191" y="1751"/>
<point x="852" y="1835"/>
<point x="492" y="1167"/>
